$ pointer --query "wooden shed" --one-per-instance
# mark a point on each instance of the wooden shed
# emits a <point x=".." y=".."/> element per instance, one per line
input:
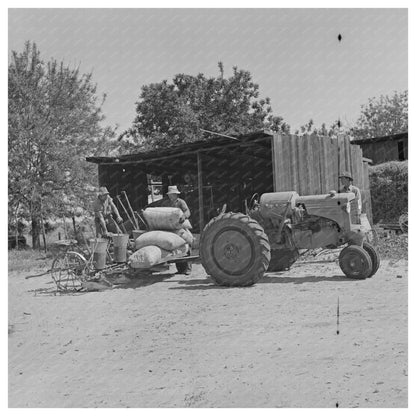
<point x="386" y="148"/>
<point x="231" y="170"/>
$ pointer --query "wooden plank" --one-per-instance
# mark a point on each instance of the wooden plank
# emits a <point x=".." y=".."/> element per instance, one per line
<point x="347" y="145"/>
<point x="360" y="167"/>
<point x="366" y="175"/>
<point x="283" y="172"/>
<point x="311" y="165"/>
<point x="273" y="158"/>
<point x="277" y="162"/>
<point x="281" y="160"/>
<point x="332" y="173"/>
<point x="294" y="162"/>
<point x="286" y="163"/>
<point x="335" y="164"/>
<point x="323" y="165"/>
<point x="307" y="148"/>
<point x="200" y="193"/>
<point x="315" y="165"/>
<point x="354" y="164"/>
<point x="301" y="165"/>
<point x="341" y="150"/>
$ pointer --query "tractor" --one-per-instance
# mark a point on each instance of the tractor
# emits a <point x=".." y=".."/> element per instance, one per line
<point x="236" y="249"/>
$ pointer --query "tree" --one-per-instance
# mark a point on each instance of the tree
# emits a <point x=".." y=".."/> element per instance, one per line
<point x="382" y="117"/>
<point x="333" y="131"/>
<point x="170" y="113"/>
<point x="54" y="121"/>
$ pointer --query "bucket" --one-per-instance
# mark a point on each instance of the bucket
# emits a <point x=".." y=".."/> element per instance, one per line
<point x="99" y="247"/>
<point x="136" y="233"/>
<point x="120" y="247"/>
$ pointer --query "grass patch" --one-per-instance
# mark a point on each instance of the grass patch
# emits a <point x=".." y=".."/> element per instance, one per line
<point x="27" y="260"/>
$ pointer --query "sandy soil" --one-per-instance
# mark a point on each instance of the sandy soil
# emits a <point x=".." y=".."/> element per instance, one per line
<point x="181" y="341"/>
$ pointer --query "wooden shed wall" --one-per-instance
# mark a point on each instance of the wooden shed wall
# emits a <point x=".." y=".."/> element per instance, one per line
<point x="306" y="164"/>
<point x="380" y="152"/>
<point x="311" y="165"/>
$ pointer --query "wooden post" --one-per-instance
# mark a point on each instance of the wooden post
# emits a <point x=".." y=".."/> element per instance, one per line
<point x="200" y="193"/>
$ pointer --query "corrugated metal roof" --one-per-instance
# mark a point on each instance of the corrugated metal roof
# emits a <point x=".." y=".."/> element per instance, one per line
<point x="193" y="147"/>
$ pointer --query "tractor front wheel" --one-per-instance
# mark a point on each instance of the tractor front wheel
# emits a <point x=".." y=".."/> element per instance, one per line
<point x="234" y="250"/>
<point x="355" y="262"/>
<point x="374" y="256"/>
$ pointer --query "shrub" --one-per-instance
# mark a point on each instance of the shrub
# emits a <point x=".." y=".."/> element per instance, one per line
<point x="389" y="188"/>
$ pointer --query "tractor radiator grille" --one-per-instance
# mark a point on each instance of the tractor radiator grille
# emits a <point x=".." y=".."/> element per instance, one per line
<point x="355" y="216"/>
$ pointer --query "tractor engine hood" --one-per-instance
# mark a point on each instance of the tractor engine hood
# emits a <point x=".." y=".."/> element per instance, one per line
<point x="330" y="206"/>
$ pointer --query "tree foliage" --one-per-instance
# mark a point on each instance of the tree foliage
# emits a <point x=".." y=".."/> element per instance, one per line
<point x="389" y="190"/>
<point x="54" y="122"/>
<point x="171" y="113"/>
<point x="382" y="116"/>
<point x="332" y="131"/>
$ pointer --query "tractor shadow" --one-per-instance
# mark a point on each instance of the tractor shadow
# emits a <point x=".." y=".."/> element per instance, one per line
<point x="199" y="284"/>
<point x="141" y="280"/>
<point x="281" y="277"/>
<point x="276" y="277"/>
<point x="120" y="282"/>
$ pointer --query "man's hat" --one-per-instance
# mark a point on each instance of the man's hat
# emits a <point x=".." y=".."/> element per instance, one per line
<point x="103" y="191"/>
<point x="345" y="174"/>
<point x="173" y="190"/>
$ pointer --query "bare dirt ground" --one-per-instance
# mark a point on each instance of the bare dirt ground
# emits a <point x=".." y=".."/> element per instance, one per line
<point x="180" y="341"/>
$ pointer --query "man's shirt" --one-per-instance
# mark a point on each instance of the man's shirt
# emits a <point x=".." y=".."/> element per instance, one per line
<point x="105" y="208"/>
<point x="355" y="191"/>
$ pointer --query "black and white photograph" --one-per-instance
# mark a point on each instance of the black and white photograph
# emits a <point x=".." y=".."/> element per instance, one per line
<point x="207" y="206"/>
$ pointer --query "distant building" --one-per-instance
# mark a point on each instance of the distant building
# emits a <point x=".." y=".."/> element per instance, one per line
<point x="384" y="149"/>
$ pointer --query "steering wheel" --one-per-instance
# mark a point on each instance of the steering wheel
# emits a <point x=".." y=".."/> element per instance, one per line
<point x="253" y="200"/>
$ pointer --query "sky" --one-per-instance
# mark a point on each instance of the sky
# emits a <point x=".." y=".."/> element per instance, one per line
<point x="293" y="54"/>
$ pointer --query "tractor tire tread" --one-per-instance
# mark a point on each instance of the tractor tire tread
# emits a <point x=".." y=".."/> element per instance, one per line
<point x="261" y="238"/>
<point x="375" y="258"/>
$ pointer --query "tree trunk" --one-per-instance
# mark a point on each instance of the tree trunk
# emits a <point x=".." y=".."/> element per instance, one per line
<point x="43" y="233"/>
<point x="36" y="223"/>
<point x="35" y="231"/>
<point x="17" y="225"/>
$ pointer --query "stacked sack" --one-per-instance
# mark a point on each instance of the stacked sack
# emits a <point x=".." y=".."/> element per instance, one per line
<point x="169" y="236"/>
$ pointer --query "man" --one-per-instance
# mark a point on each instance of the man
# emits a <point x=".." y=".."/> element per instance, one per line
<point x="173" y="200"/>
<point x="347" y="186"/>
<point x="104" y="207"/>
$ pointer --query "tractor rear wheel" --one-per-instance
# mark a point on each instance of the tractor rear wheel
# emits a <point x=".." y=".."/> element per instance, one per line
<point x="234" y="250"/>
<point x="282" y="259"/>
<point x="375" y="257"/>
<point x="355" y="262"/>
